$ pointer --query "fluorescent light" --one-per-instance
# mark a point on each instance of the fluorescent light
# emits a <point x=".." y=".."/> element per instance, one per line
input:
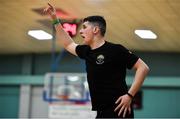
<point x="146" y="34"/>
<point x="40" y="34"/>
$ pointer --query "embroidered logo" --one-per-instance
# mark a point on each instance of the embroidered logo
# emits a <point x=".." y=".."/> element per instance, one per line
<point x="100" y="59"/>
<point x="130" y="52"/>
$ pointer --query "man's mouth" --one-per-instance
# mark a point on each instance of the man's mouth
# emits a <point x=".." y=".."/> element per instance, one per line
<point x="82" y="36"/>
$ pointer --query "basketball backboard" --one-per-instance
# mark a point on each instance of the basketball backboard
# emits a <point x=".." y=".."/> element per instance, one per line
<point x="70" y="87"/>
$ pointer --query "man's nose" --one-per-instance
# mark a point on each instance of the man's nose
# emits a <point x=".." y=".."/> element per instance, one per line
<point x="80" y="32"/>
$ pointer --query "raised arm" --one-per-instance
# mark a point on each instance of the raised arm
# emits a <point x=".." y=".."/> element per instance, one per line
<point x="63" y="38"/>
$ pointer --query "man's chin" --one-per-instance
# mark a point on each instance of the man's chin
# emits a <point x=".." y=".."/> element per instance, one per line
<point x="85" y="43"/>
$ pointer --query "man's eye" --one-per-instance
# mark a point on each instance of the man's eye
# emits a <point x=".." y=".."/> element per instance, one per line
<point x="84" y="26"/>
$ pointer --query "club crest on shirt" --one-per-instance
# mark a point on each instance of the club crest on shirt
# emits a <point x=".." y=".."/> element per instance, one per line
<point x="130" y="52"/>
<point x="100" y="59"/>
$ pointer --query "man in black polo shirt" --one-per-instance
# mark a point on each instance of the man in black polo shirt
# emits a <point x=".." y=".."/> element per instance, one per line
<point x="106" y="65"/>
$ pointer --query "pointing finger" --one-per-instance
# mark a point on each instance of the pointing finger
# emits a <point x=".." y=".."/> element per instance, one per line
<point x="50" y="5"/>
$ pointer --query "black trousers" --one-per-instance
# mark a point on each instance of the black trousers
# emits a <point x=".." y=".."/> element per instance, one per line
<point x="109" y="113"/>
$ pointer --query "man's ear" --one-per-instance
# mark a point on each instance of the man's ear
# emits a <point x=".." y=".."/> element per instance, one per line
<point x="96" y="29"/>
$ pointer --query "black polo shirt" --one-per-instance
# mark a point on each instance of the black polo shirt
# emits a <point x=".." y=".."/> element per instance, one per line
<point x="106" y="71"/>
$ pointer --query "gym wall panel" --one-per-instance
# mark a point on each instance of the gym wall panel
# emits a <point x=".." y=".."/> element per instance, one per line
<point x="9" y="101"/>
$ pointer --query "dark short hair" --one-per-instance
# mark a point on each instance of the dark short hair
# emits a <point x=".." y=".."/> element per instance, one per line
<point x="97" y="20"/>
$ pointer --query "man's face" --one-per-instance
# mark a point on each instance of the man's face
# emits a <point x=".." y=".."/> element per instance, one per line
<point x="86" y="32"/>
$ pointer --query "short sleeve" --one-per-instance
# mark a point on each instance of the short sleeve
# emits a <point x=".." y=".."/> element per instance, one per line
<point x="82" y="51"/>
<point x="129" y="57"/>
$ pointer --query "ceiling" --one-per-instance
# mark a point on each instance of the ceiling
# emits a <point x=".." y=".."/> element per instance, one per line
<point x="123" y="17"/>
